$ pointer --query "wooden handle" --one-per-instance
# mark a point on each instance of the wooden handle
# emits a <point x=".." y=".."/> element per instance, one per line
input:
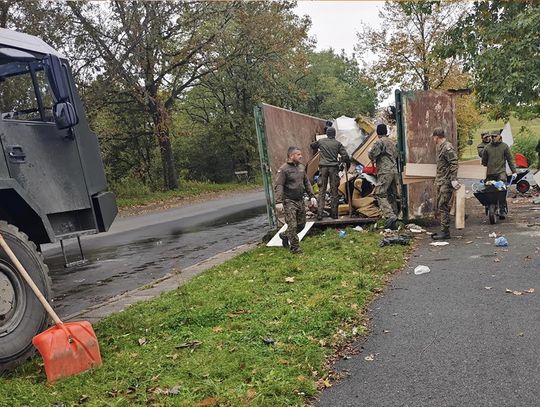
<point x="29" y="280"/>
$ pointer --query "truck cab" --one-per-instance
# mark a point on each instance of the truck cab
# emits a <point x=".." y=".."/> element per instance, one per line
<point x="52" y="180"/>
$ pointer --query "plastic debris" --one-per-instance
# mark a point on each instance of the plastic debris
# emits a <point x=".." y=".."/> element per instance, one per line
<point x="268" y="341"/>
<point x="501" y="241"/>
<point x="439" y="243"/>
<point x="493" y="234"/>
<point x="358" y="229"/>
<point x="421" y="270"/>
<point x="401" y="239"/>
<point x="342" y="233"/>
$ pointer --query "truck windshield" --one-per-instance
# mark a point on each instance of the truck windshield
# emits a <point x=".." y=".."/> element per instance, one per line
<point x="25" y="93"/>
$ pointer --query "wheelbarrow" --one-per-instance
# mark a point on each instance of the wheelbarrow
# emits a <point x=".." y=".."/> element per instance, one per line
<point x="494" y="200"/>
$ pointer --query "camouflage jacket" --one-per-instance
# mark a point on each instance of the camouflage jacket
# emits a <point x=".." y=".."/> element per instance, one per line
<point x="481" y="147"/>
<point x="329" y="149"/>
<point x="384" y="154"/>
<point x="447" y="164"/>
<point x="292" y="182"/>
<point x="495" y="157"/>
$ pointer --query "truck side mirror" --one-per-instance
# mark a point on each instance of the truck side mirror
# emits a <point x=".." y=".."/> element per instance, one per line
<point x="64" y="112"/>
<point x="65" y="115"/>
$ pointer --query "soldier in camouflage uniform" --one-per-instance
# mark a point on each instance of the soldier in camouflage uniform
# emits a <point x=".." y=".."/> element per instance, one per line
<point x="445" y="181"/>
<point x="329" y="149"/>
<point x="385" y="156"/>
<point x="291" y="183"/>
<point x="486" y="139"/>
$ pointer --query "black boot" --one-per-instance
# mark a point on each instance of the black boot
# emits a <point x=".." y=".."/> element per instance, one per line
<point x="442" y="235"/>
<point x="284" y="240"/>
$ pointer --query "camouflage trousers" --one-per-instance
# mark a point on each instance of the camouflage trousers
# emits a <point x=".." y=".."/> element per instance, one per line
<point x="387" y="193"/>
<point x="326" y="174"/>
<point x="444" y="196"/>
<point x="295" y="217"/>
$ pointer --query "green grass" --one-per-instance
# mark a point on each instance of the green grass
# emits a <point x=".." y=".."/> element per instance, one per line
<point x="532" y="125"/>
<point x="230" y="309"/>
<point x="139" y="195"/>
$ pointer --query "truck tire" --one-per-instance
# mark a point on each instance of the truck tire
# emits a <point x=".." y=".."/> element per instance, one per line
<point x="21" y="314"/>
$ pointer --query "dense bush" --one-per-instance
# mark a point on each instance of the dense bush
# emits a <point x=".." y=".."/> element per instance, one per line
<point x="525" y="143"/>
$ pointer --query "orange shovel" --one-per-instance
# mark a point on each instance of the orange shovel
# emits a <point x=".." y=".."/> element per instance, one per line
<point x="67" y="349"/>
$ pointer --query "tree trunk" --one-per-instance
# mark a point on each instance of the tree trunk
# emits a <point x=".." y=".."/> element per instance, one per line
<point x="160" y="117"/>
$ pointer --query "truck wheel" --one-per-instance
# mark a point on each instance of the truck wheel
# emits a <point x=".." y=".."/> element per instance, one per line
<point x="21" y="314"/>
<point x="492" y="213"/>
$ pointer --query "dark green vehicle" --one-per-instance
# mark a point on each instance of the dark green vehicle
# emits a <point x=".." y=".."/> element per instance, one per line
<point x="52" y="181"/>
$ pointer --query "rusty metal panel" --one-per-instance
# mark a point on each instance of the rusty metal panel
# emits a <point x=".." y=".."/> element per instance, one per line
<point x="422" y="112"/>
<point x="285" y="128"/>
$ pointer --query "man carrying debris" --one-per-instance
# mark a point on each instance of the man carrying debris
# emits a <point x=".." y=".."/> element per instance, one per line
<point x="291" y="183"/>
<point x="486" y="139"/>
<point x="445" y="180"/>
<point x="329" y="149"/>
<point x="385" y="156"/>
<point x="495" y="157"/>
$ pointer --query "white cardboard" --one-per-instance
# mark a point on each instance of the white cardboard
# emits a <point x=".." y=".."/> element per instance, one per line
<point x="276" y="240"/>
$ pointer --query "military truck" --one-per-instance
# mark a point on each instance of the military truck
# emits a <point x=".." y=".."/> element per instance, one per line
<point x="52" y="181"/>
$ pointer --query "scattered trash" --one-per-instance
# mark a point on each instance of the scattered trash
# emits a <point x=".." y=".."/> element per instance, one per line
<point x="421" y="270"/>
<point x="469" y="242"/>
<point x="359" y="229"/>
<point x="515" y="292"/>
<point x="488" y="288"/>
<point x="414" y="228"/>
<point x="289" y="279"/>
<point x="191" y="345"/>
<point x="369" y="358"/>
<point x="501" y="242"/>
<point x="493" y="234"/>
<point x="439" y="243"/>
<point x="342" y="233"/>
<point x="536" y="201"/>
<point x="497" y="260"/>
<point x="521" y="334"/>
<point x="268" y="341"/>
<point x="401" y="239"/>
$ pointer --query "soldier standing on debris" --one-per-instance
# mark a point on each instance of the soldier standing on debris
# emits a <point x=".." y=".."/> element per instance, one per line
<point x="445" y="180"/>
<point x="486" y="139"/>
<point x="329" y="149"/>
<point x="385" y="156"/>
<point x="291" y="183"/>
<point x="495" y="157"/>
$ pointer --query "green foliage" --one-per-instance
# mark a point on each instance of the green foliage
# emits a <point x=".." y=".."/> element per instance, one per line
<point x="335" y="86"/>
<point x="525" y="143"/>
<point x="498" y="40"/>
<point x="205" y="339"/>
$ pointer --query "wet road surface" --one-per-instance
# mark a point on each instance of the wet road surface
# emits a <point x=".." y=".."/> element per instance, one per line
<point x="140" y="249"/>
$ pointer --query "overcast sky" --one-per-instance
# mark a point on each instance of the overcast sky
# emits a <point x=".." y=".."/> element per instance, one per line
<point x="335" y="23"/>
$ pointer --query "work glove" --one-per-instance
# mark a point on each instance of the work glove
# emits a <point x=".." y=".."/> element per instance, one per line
<point x="455" y="184"/>
<point x="313" y="202"/>
<point x="514" y="174"/>
<point x="279" y="207"/>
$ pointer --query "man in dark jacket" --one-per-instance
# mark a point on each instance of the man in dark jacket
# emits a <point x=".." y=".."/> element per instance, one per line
<point x="385" y="156"/>
<point x="495" y="157"/>
<point x="329" y="151"/>
<point x="486" y="139"/>
<point x="291" y="183"/>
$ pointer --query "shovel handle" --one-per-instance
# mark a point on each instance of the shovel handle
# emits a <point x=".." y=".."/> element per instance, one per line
<point x="29" y="280"/>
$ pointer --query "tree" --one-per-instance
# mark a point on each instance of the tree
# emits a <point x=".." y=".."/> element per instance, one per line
<point x="335" y="86"/>
<point x="270" y="47"/>
<point x="499" y="43"/>
<point x="404" y="48"/>
<point x="153" y="52"/>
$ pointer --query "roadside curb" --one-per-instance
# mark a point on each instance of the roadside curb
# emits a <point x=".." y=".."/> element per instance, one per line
<point x="162" y="285"/>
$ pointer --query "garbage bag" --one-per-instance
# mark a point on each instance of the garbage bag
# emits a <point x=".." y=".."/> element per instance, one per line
<point x="401" y="239"/>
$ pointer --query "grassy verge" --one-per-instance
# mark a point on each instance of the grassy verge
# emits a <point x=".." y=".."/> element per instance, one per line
<point x="130" y="196"/>
<point x="204" y="344"/>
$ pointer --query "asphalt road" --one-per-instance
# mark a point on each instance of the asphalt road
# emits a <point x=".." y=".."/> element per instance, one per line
<point x="454" y="337"/>
<point x="140" y="249"/>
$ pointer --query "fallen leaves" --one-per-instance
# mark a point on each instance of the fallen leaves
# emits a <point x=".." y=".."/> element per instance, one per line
<point x="289" y="279"/>
<point x="141" y="341"/>
<point x="189" y="345"/>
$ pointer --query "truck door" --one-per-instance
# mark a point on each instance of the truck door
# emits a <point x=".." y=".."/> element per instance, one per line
<point x="41" y="158"/>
